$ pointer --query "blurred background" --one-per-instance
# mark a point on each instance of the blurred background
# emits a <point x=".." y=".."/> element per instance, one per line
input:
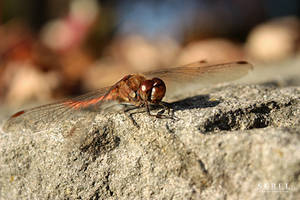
<point x="52" y="49"/>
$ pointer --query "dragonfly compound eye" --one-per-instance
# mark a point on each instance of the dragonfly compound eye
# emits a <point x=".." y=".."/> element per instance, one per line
<point x="145" y="90"/>
<point x="158" y="90"/>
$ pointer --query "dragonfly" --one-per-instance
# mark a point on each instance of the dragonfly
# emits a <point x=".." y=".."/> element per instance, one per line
<point x="133" y="90"/>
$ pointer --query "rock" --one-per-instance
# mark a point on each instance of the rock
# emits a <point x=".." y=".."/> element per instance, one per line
<point x="231" y="141"/>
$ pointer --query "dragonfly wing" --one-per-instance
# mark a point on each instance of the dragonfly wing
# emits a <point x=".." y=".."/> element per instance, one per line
<point x="200" y="74"/>
<point x="64" y="115"/>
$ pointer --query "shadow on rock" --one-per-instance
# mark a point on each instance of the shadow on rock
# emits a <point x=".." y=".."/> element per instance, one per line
<point x="199" y="101"/>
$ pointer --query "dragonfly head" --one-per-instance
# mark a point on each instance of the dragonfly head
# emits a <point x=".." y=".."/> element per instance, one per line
<point x="152" y="90"/>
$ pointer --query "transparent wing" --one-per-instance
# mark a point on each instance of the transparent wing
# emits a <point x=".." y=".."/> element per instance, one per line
<point x="199" y="74"/>
<point x="64" y="115"/>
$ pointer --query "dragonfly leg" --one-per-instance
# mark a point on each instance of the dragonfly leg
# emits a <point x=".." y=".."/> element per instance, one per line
<point x="128" y="112"/>
<point x="130" y="116"/>
<point x="148" y="109"/>
<point x="166" y="106"/>
<point x="159" y="115"/>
